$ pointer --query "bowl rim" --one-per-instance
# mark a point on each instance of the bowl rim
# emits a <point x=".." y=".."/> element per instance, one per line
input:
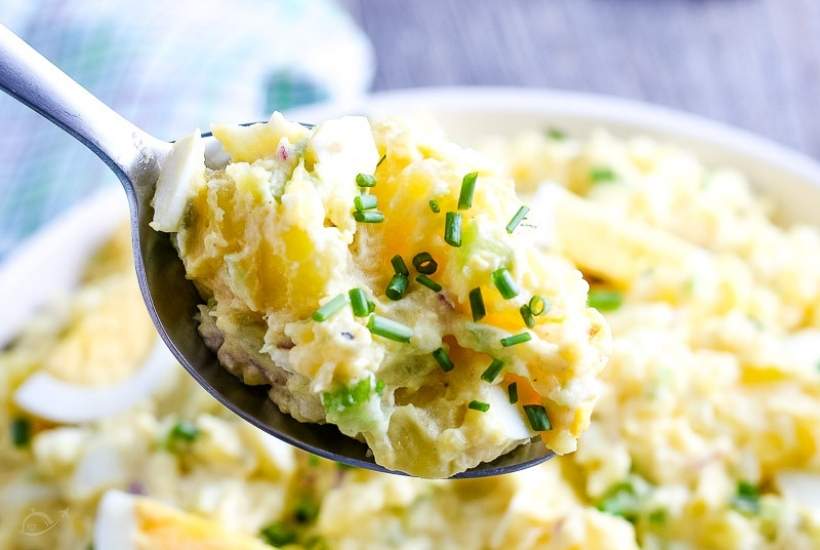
<point x="608" y="109"/>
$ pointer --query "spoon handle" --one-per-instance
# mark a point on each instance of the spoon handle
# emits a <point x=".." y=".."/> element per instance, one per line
<point x="33" y="80"/>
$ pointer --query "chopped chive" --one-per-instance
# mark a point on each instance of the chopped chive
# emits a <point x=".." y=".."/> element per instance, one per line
<point x="365" y="180"/>
<point x="602" y="174"/>
<point x="428" y="282"/>
<point x="379" y="387"/>
<point x="330" y="308"/>
<point x="424" y="263"/>
<point x="20" y="432"/>
<point x="526" y="315"/>
<point x="381" y="160"/>
<point x="480" y="406"/>
<point x="515" y="339"/>
<point x="347" y="397"/>
<point x="746" y="498"/>
<point x="306" y="510"/>
<point x="658" y="516"/>
<point x="443" y="360"/>
<point x="387" y="328"/>
<point x="512" y="391"/>
<point x="358" y="302"/>
<point x="625" y="499"/>
<point x="605" y="300"/>
<point x="397" y="287"/>
<point x="434" y="206"/>
<point x="477" y="304"/>
<point x="502" y="278"/>
<point x="368" y="216"/>
<point x="465" y="197"/>
<point x="399" y="266"/>
<point x="537" y="415"/>
<point x="365" y="202"/>
<point x="184" y="431"/>
<point x="538" y="305"/>
<point x="371" y="306"/>
<point x="517" y="218"/>
<point x="278" y="534"/>
<point x="492" y="371"/>
<point x="452" y="229"/>
<point x="557" y="134"/>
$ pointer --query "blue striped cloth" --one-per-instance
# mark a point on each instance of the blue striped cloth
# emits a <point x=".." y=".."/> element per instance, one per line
<point x="169" y="66"/>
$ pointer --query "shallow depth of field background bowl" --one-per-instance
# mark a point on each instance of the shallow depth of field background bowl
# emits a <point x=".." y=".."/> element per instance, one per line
<point x="50" y="262"/>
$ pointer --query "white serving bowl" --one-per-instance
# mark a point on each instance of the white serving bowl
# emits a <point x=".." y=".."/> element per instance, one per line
<point x="49" y="263"/>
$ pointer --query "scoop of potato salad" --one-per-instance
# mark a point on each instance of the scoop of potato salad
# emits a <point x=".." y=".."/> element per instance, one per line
<point x="385" y="280"/>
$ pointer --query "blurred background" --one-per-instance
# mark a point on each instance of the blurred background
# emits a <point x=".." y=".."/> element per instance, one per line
<point x="173" y="66"/>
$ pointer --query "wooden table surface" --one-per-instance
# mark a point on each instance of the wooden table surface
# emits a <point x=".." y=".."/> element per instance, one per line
<point x="751" y="63"/>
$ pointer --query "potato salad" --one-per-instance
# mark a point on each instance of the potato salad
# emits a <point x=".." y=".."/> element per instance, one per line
<point x="385" y="280"/>
<point x="706" y="434"/>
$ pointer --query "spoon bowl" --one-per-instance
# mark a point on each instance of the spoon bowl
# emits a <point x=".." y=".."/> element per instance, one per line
<point x="172" y="300"/>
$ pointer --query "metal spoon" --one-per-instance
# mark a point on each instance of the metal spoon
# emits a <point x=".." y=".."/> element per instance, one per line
<point x="136" y="157"/>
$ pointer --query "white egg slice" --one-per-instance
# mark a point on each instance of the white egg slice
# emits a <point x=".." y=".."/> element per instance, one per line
<point x="181" y="170"/>
<point x="53" y="399"/>
<point x="344" y="148"/>
<point x="507" y="418"/>
<point x="129" y="522"/>
<point x="116" y="522"/>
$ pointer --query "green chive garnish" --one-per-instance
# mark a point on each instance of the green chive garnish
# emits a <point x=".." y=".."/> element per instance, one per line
<point x="512" y="391"/>
<point x="381" y="160"/>
<point x="387" y="328"/>
<point x="452" y="229"/>
<point x="397" y="287"/>
<point x="428" y="282"/>
<point x="368" y="216"/>
<point x="658" y="516"/>
<point x="605" y="300"/>
<point x="184" y="431"/>
<point x="538" y="305"/>
<point x="365" y="180"/>
<point x="358" y="302"/>
<point x="556" y="134"/>
<point x="365" y="202"/>
<point x="399" y="266"/>
<point x="465" y="197"/>
<point x="434" y="206"/>
<point x="602" y="175"/>
<point x="443" y="360"/>
<point x="502" y="278"/>
<point x="516" y="339"/>
<point x="746" y="498"/>
<point x="371" y="306"/>
<point x="526" y="315"/>
<point x="517" y="218"/>
<point x="20" y="432"/>
<point x="330" y="308"/>
<point x="492" y="371"/>
<point x="424" y="263"/>
<point x="306" y="510"/>
<point x="477" y="304"/>
<point x="278" y="534"/>
<point x="480" y="406"/>
<point x="537" y="415"/>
